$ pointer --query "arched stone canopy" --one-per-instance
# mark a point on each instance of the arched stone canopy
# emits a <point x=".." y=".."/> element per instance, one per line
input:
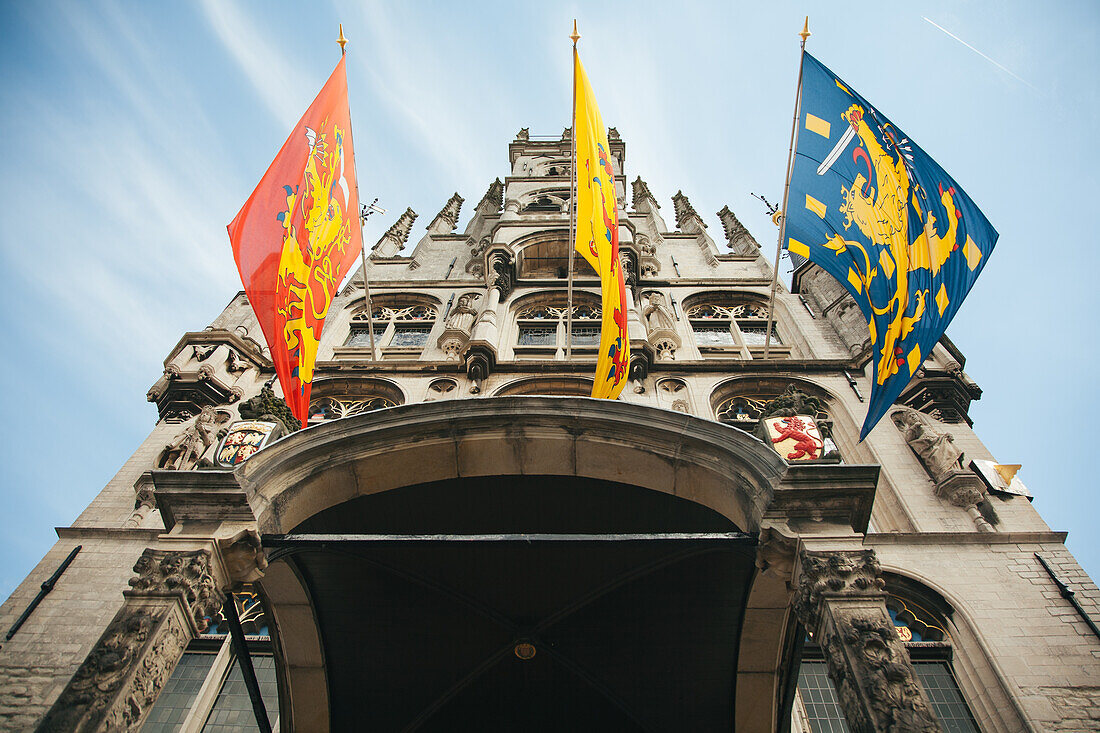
<point x="715" y="465"/>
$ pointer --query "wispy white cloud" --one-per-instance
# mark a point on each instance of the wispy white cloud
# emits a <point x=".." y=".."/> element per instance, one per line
<point x="278" y="83"/>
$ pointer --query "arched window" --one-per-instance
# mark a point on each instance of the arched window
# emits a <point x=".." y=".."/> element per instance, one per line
<point x="401" y="326"/>
<point x="736" y="326"/>
<point x="920" y="619"/>
<point x="568" y="386"/>
<point x="337" y="399"/>
<point x="541" y="326"/>
<point x="547" y="258"/>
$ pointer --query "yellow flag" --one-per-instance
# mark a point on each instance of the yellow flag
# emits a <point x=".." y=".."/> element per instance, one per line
<point x="597" y="236"/>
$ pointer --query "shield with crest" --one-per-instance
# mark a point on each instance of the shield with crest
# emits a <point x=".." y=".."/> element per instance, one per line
<point x="244" y="438"/>
<point x="796" y="437"/>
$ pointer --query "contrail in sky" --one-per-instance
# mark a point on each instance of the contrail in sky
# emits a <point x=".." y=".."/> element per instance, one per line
<point x="999" y="66"/>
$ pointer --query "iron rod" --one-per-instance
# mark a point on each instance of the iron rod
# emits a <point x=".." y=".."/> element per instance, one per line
<point x="240" y="647"/>
<point x="47" y="586"/>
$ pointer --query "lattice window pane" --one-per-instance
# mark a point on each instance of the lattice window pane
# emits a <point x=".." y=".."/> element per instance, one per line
<point x="943" y="695"/>
<point x="538" y="336"/>
<point x="758" y="335"/>
<point x="823" y="711"/>
<point x="586" y="335"/>
<point x="713" y="335"/>
<point x="232" y="711"/>
<point x="361" y="337"/>
<point x="179" y="693"/>
<point x="409" y="336"/>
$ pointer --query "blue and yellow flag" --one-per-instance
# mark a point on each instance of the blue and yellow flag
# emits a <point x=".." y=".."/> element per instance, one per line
<point x="597" y="237"/>
<point x="873" y="210"/>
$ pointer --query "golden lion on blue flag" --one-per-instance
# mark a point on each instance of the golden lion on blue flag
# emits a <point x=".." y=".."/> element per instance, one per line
<point x="868" y="220"/>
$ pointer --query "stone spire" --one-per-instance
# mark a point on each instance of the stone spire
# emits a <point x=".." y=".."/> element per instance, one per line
<point x="737" y="236"/>
<point x="394" y="239"/>
<point x="446" y="220"/>
<point x="493" y="200"/>
<point x="643" y="202"/>
<point x="687" y="219"/>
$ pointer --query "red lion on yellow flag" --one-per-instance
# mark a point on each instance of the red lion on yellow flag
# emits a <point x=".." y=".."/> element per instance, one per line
<point x="297" y="236"/>
<point x="597" y="237"/>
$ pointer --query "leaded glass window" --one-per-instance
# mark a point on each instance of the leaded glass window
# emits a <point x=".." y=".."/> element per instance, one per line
<point x="179" y="693"/>
<point x="538" y="335"/>
<point x="943" y="695"/>
<point x="232" y="711"/>
<point x="400" y="330"/>
<point x="819" y="700"/>
<point x="541" y="329"/>
<point x="731" y="327"/>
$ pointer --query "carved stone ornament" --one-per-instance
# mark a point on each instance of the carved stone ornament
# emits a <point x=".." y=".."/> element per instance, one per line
<point x="500" y="275"/>
<point x="792" y="401"/>
<point x="267" y="406"/>
<point x="244" y="557"/>
<point x="775" y="552"/>
<point x="396" y="236"/>
<point x="945" y="463"/>
<point x="187" y="448"/>
<point x="737" y="236"/>
<point x="119" y="680"/>
<point x="848" y="573"/>
<point x="235" y="363"/>
<point x="203" y="351"/>
<point x="841" y="601"/>
<point x="935" y="449"/>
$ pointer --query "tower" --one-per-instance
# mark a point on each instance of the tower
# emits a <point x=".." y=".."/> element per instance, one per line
<point x="462" y="537"/>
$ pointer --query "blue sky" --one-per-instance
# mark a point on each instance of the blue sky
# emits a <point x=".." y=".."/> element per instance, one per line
<point x="133" y="132"/>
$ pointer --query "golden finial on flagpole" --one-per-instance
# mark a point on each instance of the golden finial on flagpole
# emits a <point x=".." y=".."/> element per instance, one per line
<point x="342" y="41"/>
<point x="805" y="29"/>
<point x="575" y="36"/>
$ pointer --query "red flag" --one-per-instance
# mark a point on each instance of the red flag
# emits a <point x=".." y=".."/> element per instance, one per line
<point x="298" y="235"/>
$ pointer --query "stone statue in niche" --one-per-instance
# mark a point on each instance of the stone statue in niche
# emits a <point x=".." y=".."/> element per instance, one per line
<point x="464" y="313"/>
<point x="936" y="450"/>
<point x="186" y="449"/>
<point x="658" y="316"/>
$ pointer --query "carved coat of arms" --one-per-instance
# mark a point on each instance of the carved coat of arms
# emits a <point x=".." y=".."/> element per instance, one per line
<point x="796" y="438"/>
<point x="244" y="438"/>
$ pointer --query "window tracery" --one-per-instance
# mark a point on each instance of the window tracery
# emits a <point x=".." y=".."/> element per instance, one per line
<point x="722" y="325"/>
<point x="401" y="328"/>
<point x="324" y="409"/>
<point x="541" y="327"/>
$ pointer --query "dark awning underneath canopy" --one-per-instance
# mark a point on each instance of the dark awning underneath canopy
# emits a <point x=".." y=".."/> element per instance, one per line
<point x="628" y="632"/>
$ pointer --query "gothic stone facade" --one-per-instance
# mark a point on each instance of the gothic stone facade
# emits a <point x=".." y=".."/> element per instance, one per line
<point x="911" y="585"/>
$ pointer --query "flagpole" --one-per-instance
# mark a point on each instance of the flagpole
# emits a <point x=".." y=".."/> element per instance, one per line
<point x="786" y="190"/>
<point x="362" y="246"/>
<point x="572" y="201"/>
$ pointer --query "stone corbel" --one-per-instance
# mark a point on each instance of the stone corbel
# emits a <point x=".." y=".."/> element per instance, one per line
<point x="243" y="557"/>
<point x="964" y="489"/>
<point x="840" y="599"/>
<point x="776" y="551"/>
<point x="169" y="601"/>
<point x="144" y="501"/>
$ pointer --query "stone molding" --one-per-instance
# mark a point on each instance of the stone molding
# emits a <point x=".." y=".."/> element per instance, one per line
<point x="840" y="599"/>
<point x="713" y="464"/>
<point x="170" y="597"/>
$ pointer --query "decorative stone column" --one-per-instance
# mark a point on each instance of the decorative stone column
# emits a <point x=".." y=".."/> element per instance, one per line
<point x="168" y="602"/>
<point x="840" y="600"/>
<point x="170" y="599"/>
